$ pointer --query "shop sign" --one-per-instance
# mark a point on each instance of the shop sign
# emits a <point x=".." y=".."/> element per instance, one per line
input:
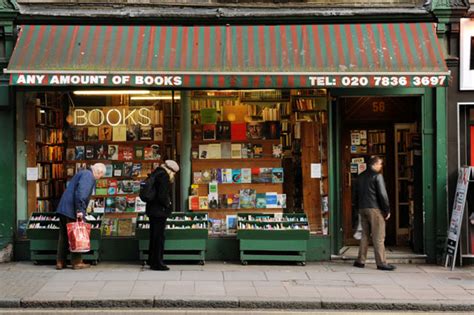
<point x="226" y="80"/>
<point x="466" y="55"/>
<point x="112" y="117"/>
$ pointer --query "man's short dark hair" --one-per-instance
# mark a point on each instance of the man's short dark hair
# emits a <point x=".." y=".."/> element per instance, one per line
<point x="374" y="159"/>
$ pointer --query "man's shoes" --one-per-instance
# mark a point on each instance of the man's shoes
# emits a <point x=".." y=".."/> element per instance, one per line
<point x="358" y="264"/>
<point x="160" y="267"/>
<point x="60" y="264"/>
<point x="386" y="267"/>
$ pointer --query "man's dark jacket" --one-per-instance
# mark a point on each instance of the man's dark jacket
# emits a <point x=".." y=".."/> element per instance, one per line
<point x="370" y="192"/>
<point x="160" y="206"/>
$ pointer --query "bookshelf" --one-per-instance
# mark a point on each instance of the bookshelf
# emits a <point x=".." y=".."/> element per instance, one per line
<point x="404" y="176"/>
<point x="43" y="232"/>
<point x="272" y="236"/>
<point x="45" y="147"/>
<point x="186" y="236"/>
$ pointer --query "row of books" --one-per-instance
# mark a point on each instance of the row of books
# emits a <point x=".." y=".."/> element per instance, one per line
<point x="38" y="225"/>
<point x="376" y="137"/>
<point x="118" y="169"/>
<point x="50" y="171"/>
<point x="276" y="217"/>
<point x="53" y="189"/>
<point x="113" y="152"/>
<point x="49" y="136"/>
<point x="118" y="227"/>
<point x="116" y="187"/>
<point x="239" y="175"/>
<point x="198" y="104"/>
<point x="245" y="199"/>
<point x="49" y="153"/>
<point x="178" y="218"/>
<point x="278" y="226"/>
<point x="116" y="204"/>
<point x="225" y="130"/>
<point x="41" y="217"/>
<point x="302" y="104"/>
<point x="118" y="133"/>
<point x="265" y="113"/>
<point x="49" y="118"/>
<point x="45" y="205"/>
<point x="265" y="95"/>
<point x="227" y="150"/>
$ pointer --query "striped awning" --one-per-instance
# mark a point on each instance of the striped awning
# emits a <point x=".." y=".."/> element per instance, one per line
<point x="346" y="55"/>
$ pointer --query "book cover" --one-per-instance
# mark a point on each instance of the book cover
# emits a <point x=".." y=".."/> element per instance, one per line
<point x="223" y="130"/>
<point x="236" y="150"/>
<point x="208" y="116"/>
<point x="109" y="170"/>
<point x="236" y="175"/>
<point x="124" y="227"/>
<point x="246" y="175"/>
<point x="226" y="150"/>
<point x="277" y="151"/>
<point x="119" y="133"/>
<point x="261" y="201"/>
<point x="127" y="169"/>
<point x="136" y="186"/>
<point x="109" y="205"/>
<point x="148" y="153"/>
<point x="272" y="130"/>
<point x="130" y="204"/>
<point x="133" y="133"/>
<point x="158" y="134"/>
<point x="197" y="177"/>
<point x="213" y="201"/>
<point x="101" y="187"/>
<point x="213" y="191"/>
<point x="209" y="132"/>
<point x="120" y="204"/>
<point x="155" y="152"/>
<point x="272" y="200"/>
<point x="118" y="169"/>
<point x="281" y="201"/>
<point x="234" y="201"/>
<point x="203" y="203"/>
<point x="194" y="202"/>
<point x="257" y="150"/>
<point x="136" y="169"/>
<point x="78" y="134"/>
<point x="277" y="175"/>
<point x="125" y="187"/>
<point x="146" y="133"/>
<point x="90" y="152"/>
<point x="247" y="150"/>
<point x="194" y="191"/>
<point x="99" y="205"/>
<point x="238" y="131"/>
<point x="105" y="133"/>
<point x="125" y="153"/>
<point x="101" y="152"/>
<point x="70" y="154"/>
<point x="70" y="170"/>
<point x="266" y="175"/>
<point x="226" y="174"/>
<point x="112" y="187"/>
<point x="203" y="151"/>
<point x="92" y="133"/>
<point x="140" y="205"/>
<point x="80" y="167"/>
<point x="214" y="151"/>
<point x="214" y="175"/>
<point x="80" y="152"/>
<point x="231" y="223"/>
<point x="139" y="152"/>
<point x="219" y="175"/>
<point x="223" y="201"/>
<point x="113" y="152"/>
<point x="247" y="198"/>
<point x="255" y="130"/>
<point x="206" y="176"/>
<point x="197" y="132"/>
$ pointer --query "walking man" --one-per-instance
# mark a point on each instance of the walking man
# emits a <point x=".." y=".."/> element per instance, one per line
<point x="72" y="207"/>
<point x="374" y="209"/>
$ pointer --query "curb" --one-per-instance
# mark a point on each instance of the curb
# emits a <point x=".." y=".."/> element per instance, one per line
<point x="238" y="303"/>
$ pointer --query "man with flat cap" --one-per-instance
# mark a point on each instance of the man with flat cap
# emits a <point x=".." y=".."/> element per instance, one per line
<point x="158" y="210"/>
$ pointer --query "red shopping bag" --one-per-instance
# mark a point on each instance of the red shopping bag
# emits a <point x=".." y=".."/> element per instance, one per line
<point x="78" y="234"/>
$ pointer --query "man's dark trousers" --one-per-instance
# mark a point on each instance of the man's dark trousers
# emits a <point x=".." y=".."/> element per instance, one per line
<point x="156" y="249"/>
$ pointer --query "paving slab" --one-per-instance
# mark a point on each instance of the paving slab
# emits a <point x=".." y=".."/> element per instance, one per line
<point x="202" y="275"/>
<point x="286" y="275"/>
<point x="244" y="275"/>
<point x="158" y="275"/>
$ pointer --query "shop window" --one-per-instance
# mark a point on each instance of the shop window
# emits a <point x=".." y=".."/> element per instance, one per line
<point x="2" y="43"/>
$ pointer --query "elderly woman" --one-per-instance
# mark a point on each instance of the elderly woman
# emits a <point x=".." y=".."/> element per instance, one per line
<point x="72" y="206"/>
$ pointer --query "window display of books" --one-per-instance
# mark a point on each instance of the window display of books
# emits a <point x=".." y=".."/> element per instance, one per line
<point x="244" y="199"/>
<point x="50" y="220"/>
<point x="276" y="221"/>
<point x="178" y="221"/>
<point x="254" y="175"/>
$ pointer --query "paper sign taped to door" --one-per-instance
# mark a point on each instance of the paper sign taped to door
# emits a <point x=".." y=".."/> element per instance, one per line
<point x="315" y="170"/>
<point x="32" y="173"/>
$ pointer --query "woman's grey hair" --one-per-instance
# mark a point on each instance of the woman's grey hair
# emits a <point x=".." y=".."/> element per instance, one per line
<point x="98" y="168"/>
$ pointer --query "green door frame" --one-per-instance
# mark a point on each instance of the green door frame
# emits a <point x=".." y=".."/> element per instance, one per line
<point x="434" y="163"/>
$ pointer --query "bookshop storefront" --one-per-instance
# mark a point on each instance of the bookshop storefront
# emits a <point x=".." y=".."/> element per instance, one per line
<point x="262" y="119"/>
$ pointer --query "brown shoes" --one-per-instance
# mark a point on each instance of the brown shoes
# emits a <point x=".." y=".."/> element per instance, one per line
<point x="60" y="264"/>
<point x="79" y="264"/>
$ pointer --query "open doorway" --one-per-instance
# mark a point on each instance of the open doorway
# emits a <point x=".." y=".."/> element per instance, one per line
<point x="388" y="127"/>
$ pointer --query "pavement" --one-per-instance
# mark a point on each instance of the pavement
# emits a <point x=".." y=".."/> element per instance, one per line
<point x="219" y="285"/>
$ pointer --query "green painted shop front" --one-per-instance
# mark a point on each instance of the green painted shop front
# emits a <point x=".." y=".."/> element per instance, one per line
<point x="433" y="131"/>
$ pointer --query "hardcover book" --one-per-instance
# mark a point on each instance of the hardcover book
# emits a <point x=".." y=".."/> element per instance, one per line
<point x="109" y="170"/>
<point x="92" y="134"/>
<point x="223" y="130"/>
<point x="209" y="132"/>
<point x="197" y="177"/>
<point x="109" y="204"/>
<point x="238" y="131"/>
<point x="203" y="203"/>
<point x="80" y="152"/>
<point x="277" y="175"/>
<point x="208" y="116"/>
<point x="194" y="202"/>
<point x="113" y="187"/>
<point x="236" y="152"/>
<point x="101" y="152"/>
<point x="119" y="133"/>
<point x="125" y="153"/>
<point x="226" y="150"/>
<point x="226" y="176"/>
<point x="146" y="133"/>
<point x="105" y="133"/>
<point x="113" y="151"/>
<point x="136" y="169"/>
<point x="127" y="169"/>
<point x="118" y="169"/>
<point x="266" y="175"/>
<point x="90" y="154"/>
<point x="124" y="227"/>
<point x="70" y="154"/>
<point x="78" y="134"/>
<point x="203" y="151"/>
<point x="139" y="152"/>
<point x="120" y="204"/>
<point x="133" y="133"/>
<point x="99" y="205"/>
<point x="261" y="201"/>
<point x="214" y="151"/>
<point x="272" y="200"/>
<point x="158" y="134"/>
<point x="255" y="130"/>
<point x="130" y="204"/>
